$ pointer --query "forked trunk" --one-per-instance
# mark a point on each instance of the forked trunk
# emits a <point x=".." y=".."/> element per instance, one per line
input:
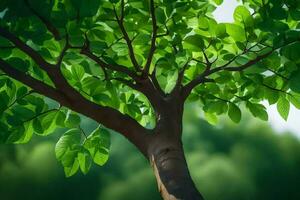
<point x="171" y="171"/>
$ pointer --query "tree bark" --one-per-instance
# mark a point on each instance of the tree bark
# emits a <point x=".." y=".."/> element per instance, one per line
<point x="167" y="159"/>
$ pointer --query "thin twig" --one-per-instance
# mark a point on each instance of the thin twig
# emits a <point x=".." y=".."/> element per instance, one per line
<point x="153" y="38"/>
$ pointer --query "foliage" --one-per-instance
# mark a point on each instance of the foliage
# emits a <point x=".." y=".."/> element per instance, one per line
<point x="100" y="53"/>
<point x="74" y="155"/>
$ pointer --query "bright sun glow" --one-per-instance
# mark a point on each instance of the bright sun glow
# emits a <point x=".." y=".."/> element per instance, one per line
<point x="224" y="13"/>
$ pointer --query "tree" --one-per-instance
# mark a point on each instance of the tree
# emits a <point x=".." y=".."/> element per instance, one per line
<point x="131" y="66"/>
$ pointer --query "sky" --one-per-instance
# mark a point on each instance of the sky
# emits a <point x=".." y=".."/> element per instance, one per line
<point x="224" y="13"/>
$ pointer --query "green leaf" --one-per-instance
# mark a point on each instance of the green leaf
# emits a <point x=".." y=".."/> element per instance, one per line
<point x="85" y="160"/>
<point x="271" y="95"/>
<point x="203" y="23"/>
<point x="291" y="51"/>
<point x="69" y="139"/>
<point x="14" y="120"/>
<point x="295" y="100"/>
<point x="98" y="34"/>
<point x="73" y="154"/>
<point x="77" y="72"/>
<point x="294" y="81"/>
<point x="98" y="47"/>
<point x="2" y="82"/>
<point x="243" y="15"/>
<point x="211" y="118"/>
<point x="160" y="15"/>
<point x="22" y="112"/>
<point x="218" y="2"/>
<point x="69" y="157"/>
<point x="217" y="107"/>
<point x="21" y="91"/>
<point x="72" y="120"/>
<point x="86" y="8"/>
<point x="278" y="12"/>
<point x="47" y="123"/>
<point x="60" y="118"/>
<point x="120" y="49"/>
<point x="98" y="144"/>
<point x="114" y="1"/>
<point x="236" y="32"/>
<point x="4" y="133"/>
<point x="18" y="63"/>
<point x="102" y="98"/>
<point x="234" y="113"/>
<point x="71" y="169"/>
<point x="21" y="134"/>
<point x="221" y="31"/>
<point x="258" y="110"/>
<point x="4" y="100"/>
<point x="37" y="126"/>
<point x="295" y="14"/>
<point x="37" y="102"/>
<point x="283" y="107"/>
<point x="194" y="42"/>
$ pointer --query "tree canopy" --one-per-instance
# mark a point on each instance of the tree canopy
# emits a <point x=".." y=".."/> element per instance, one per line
<point x="114" y="60"/>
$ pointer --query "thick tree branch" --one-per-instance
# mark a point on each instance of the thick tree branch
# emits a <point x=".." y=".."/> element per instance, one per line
<point x="53" y="72"/>
<point x="153" y="39"/>
<point x="69" y="97"/>
<point x="26" y="49"/>
<point x="109" y="117"/>
<point x="62" y="84"/>
<point x="37" y="85"/>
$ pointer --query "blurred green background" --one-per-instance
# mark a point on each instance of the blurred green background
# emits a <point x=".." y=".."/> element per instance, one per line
<point x="228" y="162"/>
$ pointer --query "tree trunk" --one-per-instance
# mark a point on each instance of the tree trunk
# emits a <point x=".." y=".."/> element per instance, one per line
<point x="172" y="174"/>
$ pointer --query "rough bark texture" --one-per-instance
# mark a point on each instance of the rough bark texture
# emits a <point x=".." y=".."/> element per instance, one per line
<point x="166" y="155"/>
<point x="171" y="171"/>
